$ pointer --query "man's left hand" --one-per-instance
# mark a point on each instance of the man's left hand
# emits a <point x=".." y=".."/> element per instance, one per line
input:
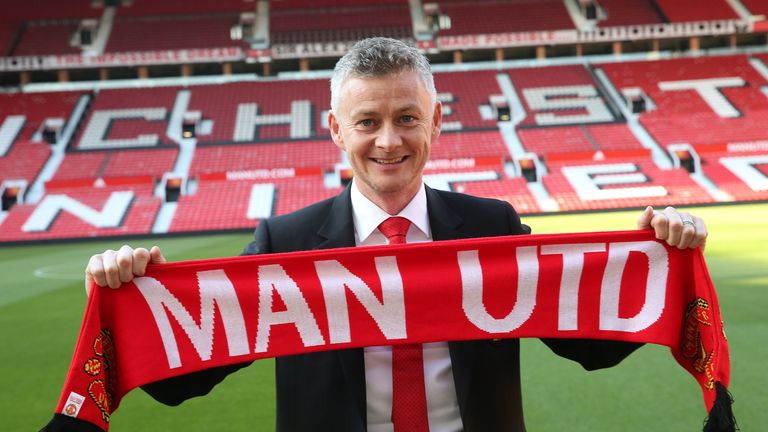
<point x="680" y="229"/>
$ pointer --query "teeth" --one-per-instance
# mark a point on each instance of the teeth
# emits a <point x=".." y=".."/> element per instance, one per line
<point x="389" y="161"/>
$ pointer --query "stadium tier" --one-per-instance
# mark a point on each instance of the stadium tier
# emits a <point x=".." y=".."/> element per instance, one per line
<point x="463" y="94"/>
<point x="756" y="7"/>
<point x="621" y="12"/>
<point x="705" y="100"/>
<point x="45" y="38"/>
<point x="23" y="120"/>
<point x="493" y="16"/>
<point x="513" y="190"/>
<point x="172" y="32"/>
<point x="469" y="145"/>
<point x="340" y="23"/>
<point x="677" y="11"/>
<point x="123" y="118"/>
<point x="84" y="212"/>
<point x="178" y="155"/>
<point x="322" y="155"/>
<point x="239" y="204"/>
<point x="152" y="7"/>
<point x="598" y="185"/>
<point x="262" y="111"/>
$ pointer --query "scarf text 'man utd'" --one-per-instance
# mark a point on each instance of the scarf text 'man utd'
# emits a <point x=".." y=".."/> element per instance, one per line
<point x="189" y="316"/>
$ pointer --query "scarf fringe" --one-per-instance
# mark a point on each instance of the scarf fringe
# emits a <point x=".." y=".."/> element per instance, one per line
<point x="721" y="417"/>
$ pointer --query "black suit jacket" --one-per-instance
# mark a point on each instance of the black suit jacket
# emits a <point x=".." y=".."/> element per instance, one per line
<point x="325" y="391"/>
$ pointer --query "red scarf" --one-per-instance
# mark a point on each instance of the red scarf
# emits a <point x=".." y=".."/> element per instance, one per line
<point x="189" y="316"/>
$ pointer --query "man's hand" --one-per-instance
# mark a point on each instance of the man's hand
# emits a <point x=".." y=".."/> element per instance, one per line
<point x="111" y="268"/>
<point x="680" y="229"/>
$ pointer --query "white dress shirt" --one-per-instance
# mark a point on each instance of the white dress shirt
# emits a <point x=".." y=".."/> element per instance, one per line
<point x="442" y="404"/>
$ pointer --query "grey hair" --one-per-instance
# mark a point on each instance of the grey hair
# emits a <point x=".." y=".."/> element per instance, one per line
<point x="378" y="57"/>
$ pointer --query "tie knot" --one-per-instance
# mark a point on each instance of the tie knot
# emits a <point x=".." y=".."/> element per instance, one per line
<point x="395" y="228"/>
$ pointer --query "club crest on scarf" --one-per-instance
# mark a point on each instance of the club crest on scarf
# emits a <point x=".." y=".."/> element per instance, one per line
<point x="692" y="345"/>
<point x="100" y="366"/>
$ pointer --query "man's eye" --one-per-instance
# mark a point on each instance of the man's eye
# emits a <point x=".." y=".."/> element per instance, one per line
<point x="366" y="123"/>
<point x="407" y="119"/>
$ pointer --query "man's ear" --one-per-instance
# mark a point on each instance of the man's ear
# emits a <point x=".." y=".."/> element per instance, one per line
<point x="437" y="120"/>
<point x="335" y="128"/>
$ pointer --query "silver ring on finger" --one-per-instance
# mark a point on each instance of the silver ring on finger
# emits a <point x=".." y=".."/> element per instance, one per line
<point x="689" y="222"/>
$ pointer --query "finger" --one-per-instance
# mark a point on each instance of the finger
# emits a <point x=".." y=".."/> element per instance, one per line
<point x="675" y="226"/>
<point x="660" y="225"/>
<point x="644" y="221"/>
<point x="94" y="272"/>
<point x="688" y="233"/>
<point x="700" y="239"/>
<point x="140" y="260"/>
<point x="156" y="256"/>
<point x="111" y="271"/>
<point x="125" y="263"/>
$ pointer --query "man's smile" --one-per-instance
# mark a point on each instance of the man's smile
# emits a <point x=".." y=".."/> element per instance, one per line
<point x="389" y="161"/>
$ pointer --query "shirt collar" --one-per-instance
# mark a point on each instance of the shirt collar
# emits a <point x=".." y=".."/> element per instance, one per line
<point x="367" y="216"/>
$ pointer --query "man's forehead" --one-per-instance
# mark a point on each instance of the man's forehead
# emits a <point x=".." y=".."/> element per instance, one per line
<point x="398" y="92"/>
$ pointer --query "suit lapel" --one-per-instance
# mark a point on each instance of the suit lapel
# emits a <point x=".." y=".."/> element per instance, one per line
<point x="446" y="225"/>
<point x="338" y="230"/>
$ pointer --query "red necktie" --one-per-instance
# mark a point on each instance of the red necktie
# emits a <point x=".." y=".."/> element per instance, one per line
<point x="409" y="399"/>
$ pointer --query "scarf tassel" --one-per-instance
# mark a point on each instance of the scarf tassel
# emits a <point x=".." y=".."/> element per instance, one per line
<point x="721" y="417"/>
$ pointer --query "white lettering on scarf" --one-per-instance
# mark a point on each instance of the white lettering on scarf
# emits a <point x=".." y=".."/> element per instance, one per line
<point x="214" y="287"/>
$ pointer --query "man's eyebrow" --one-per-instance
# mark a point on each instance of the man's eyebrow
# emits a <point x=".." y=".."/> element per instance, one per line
<point x="362" y="113"/>
<point x="410" y="107"/>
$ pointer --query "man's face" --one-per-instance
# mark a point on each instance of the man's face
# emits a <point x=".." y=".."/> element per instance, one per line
<point x="387" y="126"/>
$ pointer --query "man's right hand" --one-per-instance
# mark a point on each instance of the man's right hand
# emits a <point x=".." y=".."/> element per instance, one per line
<point x="112" y="268"/>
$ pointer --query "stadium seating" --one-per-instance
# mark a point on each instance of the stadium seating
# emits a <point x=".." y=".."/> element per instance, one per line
<point x="462" y="95"/>
<point x="757" y="7"/>
<point x="273" y="99"/>
<point x="37" y="17"/>
<point x="223" y="205"/>
<point x="79" y="165"/>
<point x="348" y="23"/>
<point x="172" y="32"/>
<point x="303" y="154"/>
<point x="142" y="8"/>
<point x="469" y="144"/>
<point x="491" y="16"/>
<point x="120" y="116"/>
<point x="684" y="115"/>
<point x="135" y="218"/>
<point x="527" y="79"/>
<point x="24" y="161"/>
<point x="567" y="139"/>
<point x="622" y="12"/>
<point x="308" y="4"/>
<point x="513" y="190"/>
<point x="704" y="10"/>
<point x="262" y="146"/>
<point x="613" y="137"/>
<point x="678" y="187"/>
<point x="46" y="39"/>
<point x="28" y="153"/>
<point x="738" y="169"/>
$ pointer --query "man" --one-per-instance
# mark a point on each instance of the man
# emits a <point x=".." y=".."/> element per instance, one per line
<point x="385" y="116"/>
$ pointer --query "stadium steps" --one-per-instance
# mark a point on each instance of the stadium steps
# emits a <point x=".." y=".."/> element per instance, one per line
<point x="660" y="156"/>
<point x="106" y="23"/>
<point x="37" y="190"/>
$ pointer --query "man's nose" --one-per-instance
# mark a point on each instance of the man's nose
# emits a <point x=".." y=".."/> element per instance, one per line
<point x="389" y="137"/>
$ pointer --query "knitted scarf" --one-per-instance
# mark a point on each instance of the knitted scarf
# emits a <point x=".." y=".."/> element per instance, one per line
<point x="189" y="316"/>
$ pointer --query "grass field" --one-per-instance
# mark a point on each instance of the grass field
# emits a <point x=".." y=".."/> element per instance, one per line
<point x="42" y="300"/>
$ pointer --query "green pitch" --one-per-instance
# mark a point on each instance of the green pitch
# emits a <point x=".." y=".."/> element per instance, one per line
<point x="42" y="301"/>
